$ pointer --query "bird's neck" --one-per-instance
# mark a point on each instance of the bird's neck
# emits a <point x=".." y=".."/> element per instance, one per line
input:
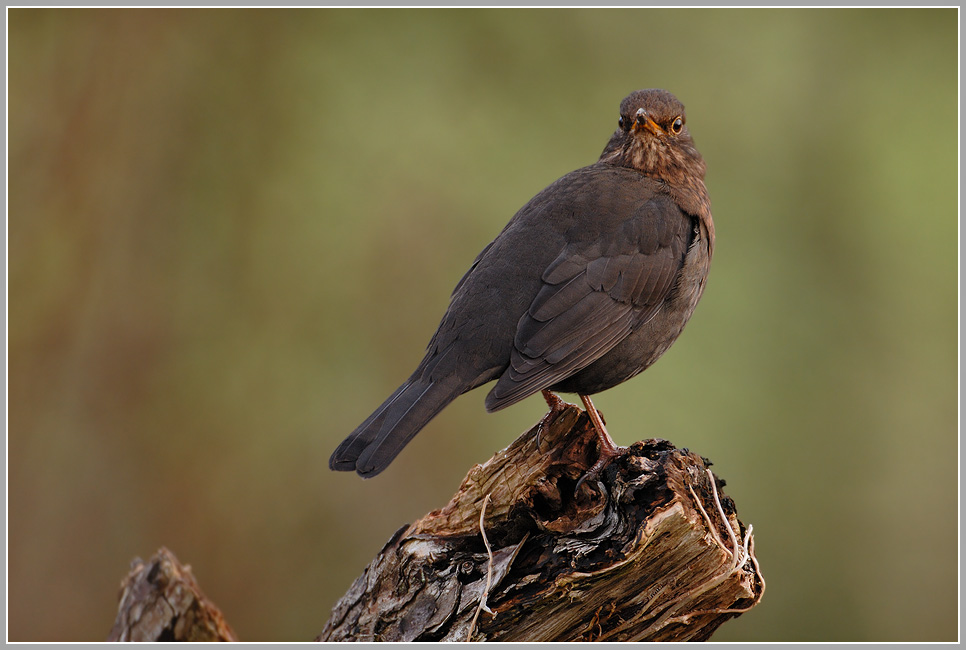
<point x="680" y="170"/>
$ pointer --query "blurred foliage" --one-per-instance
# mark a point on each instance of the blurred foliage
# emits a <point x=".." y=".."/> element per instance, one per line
<point x="232" y="233"/>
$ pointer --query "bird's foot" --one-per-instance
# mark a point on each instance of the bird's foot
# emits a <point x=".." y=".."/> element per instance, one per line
<point x="607" y="456"/>
<point x="609" y="450"/>
<point x="556" y="406"/>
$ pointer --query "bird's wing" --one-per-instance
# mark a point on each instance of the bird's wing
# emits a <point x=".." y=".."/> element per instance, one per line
<point x="469" y="271"/>
<point x="593" y="295"/>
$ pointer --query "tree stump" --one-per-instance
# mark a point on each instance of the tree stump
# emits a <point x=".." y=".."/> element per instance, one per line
<point x="161" y="601"/>
<point x="651" y="551"/>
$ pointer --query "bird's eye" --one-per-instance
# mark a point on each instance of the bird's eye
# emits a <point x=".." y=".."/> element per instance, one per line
<point x="677" y="125"/>
<point x="620" y="122"/>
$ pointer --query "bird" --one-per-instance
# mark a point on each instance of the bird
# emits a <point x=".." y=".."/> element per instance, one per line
<point x="586" y="286"/>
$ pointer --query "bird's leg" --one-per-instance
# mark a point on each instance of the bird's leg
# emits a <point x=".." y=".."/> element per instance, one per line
<point x="556" y="406"/>
<point x="554" y="402"/>
<point x="608" y="449"/>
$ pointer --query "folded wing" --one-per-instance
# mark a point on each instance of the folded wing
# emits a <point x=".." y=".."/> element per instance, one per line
<point x="594" y="294"/>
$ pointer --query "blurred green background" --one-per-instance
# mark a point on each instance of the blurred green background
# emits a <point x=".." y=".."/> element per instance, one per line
<point x="232" y="233"/>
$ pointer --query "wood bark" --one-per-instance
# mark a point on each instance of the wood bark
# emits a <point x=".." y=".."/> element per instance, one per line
<point x="651" y="550"/>
<point x="161" y="601"/>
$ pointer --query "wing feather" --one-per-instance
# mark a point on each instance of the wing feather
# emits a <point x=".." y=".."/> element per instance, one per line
<point x="594" y="294"/>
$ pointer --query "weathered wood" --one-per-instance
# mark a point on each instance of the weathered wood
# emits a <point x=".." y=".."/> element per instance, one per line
<point x="161" y="601"/>
<point x="650" y="551"/>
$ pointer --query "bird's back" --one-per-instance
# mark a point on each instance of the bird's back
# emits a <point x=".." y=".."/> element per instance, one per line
<point x="583" y="206"/>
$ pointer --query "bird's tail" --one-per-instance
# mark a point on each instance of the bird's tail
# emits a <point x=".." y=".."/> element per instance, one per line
<point x="372" y="446"/>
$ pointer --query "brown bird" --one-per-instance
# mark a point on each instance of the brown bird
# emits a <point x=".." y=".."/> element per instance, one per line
<point x="586" y="286"/>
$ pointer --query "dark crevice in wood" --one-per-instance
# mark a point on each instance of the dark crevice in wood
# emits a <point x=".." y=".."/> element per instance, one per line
<point x="642" y="553"/>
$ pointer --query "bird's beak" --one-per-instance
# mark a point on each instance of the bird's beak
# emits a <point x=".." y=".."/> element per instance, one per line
<point x="644" y="121"/>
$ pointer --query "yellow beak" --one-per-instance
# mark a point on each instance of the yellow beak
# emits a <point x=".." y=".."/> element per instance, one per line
<point x="644" y="121"/>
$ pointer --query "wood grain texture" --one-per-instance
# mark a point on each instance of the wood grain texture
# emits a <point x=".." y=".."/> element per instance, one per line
<point x="161" y="601"/>
<point x="652" y="551"/>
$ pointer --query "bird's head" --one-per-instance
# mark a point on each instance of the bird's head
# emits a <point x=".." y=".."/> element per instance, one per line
<point x="652" y="137"/>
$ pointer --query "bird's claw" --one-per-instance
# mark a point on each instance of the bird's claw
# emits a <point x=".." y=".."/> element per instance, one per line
<point x="608" y="450"/>
<point x="607" y="456"/>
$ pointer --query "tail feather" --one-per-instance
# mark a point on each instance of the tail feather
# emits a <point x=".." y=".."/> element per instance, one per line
<point x="375" y="443"/>
<point x="344" y="457"/>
